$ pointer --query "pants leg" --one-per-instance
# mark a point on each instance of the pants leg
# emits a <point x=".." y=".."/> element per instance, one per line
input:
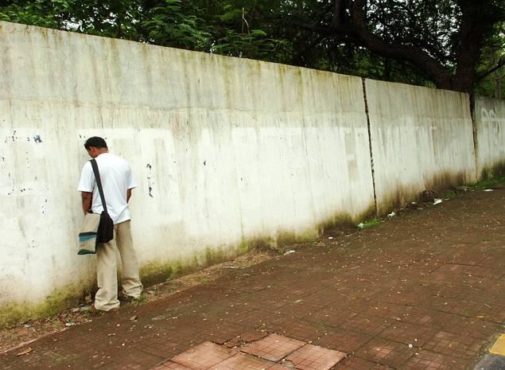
<point x="130" y="280"/>
<point x="106" y="270"/>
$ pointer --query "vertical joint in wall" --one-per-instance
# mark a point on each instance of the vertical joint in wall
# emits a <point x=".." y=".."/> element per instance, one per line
<point x="363" y="80"/>
<point x="474" y="133"/>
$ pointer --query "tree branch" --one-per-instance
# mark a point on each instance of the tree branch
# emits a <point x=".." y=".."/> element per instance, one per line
<point x="500" y="64"/>
<point x="415" y="56"/>
<point x="470" y="44"/>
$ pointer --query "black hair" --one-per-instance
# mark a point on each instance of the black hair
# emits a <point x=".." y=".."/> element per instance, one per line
<point x="96" y="142"/>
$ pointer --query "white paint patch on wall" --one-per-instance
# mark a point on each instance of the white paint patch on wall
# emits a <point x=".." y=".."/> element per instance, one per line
<point x="489" y="115"/>
<point x="224" y="150"/>
<point x="421" y="139"/>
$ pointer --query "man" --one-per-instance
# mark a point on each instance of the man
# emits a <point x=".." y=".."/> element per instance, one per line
<point x="117" y="183"/>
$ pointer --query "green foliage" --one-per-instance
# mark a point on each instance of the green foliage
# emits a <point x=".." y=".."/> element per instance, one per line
<point x="449" y="194"/>
<point x="488" y="183"/>
<point x="251" y="45"/>
<point x="113" y="18"/>
<point x="369" y="224"/>
<point x="493" y="54"/>
<point x="170" y="24"/>
<point x="295" y="32"/>
<point x="244" y="29"/>
<point x="40" y="12"/>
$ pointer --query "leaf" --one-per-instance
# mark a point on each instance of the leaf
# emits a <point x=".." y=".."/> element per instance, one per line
<point x="258" y="33"/>
<point x="231" y="15"/>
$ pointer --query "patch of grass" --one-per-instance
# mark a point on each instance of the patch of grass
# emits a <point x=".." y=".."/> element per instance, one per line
<point x="449" y="194"/>
<point x="140" y="300"/>
<point x="367" y="224"/>
<point x="488" y="183"/>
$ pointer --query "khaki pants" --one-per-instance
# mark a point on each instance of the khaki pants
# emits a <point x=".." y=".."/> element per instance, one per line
<point x="106" y="258"/>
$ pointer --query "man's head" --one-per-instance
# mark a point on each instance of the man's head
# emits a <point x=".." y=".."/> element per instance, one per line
<point x="95" y="146"/>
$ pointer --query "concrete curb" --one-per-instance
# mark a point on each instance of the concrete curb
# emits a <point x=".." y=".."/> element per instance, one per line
<point x="491" y="362"/>
<point x="495" y="360"/>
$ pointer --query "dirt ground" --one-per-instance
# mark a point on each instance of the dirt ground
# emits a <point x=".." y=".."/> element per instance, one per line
<point x="421" y="288"/>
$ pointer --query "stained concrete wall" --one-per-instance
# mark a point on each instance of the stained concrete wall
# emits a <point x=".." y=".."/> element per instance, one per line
<point x="421" y="139"/>
<point x="489" y="117"/>
<point x="226" y="152"/>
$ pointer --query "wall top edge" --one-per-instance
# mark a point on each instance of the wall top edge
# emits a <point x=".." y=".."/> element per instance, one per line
<point x="7" y="28"/>
<point x="418" y="87"/>
<point x="489" y="99"/>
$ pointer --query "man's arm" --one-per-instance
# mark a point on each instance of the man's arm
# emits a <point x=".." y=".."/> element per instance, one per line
<point x="128" y="195"/>
<point x="86" y="201"/>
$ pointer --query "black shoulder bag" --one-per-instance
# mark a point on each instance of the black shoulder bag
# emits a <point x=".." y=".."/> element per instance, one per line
<point x="105" y="231"/>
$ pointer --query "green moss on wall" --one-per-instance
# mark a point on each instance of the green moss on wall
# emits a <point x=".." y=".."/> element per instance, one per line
<point x="497" y="170"/>
<point x="60" y="299"/>
<point x="402" y="195"/>
<point x="344" y="219"/>
<point x="157" y="272"/>
<point x="444" y="180"/>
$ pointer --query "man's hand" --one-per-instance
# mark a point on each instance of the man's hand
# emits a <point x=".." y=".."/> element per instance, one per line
<point x="86" y="201"/>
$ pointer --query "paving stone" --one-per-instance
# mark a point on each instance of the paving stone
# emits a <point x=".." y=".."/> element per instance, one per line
<point x="244" y="338"/>
<point x="413" y="315"/>
<point x="355" y="363"/>
<point x="273" y="348"/>
<point x="311" y="357"/>
<point x="367" y="324"/>
<point x="433" y="361"/>
<point x="203" y="356"/>
<point x="162" y="349"/>
<point x="464" y="326"/>
<point x="386" y="352"/>
<point x="243" y="362"/>
<point x="333" y="316"/>
<point x="471" y="306"/>
<point x="132" y="366"/>
<point x="344" y="340"/>
<point x="280" y="367"/>
<point x="416" y="335"/>
<point x="300" y="330"/>
<point x="171" y="366"/>
<point x="454" y="345"/>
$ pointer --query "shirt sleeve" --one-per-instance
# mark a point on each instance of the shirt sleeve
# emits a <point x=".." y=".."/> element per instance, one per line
<point x="87" y="180"/>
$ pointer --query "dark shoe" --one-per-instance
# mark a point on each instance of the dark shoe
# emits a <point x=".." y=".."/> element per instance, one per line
<point x="92" y="311"/>
<point x="96" y="312"/>
<point x="123" y="298"/>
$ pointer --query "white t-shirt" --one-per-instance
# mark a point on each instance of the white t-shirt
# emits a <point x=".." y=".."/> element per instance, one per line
<point x="116" y="177"/>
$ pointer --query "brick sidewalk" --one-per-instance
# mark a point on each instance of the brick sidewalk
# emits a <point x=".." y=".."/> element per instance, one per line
<point x="425" y="290"/>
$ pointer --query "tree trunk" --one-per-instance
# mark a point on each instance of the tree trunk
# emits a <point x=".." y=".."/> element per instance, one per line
<point x="350" y="19"/>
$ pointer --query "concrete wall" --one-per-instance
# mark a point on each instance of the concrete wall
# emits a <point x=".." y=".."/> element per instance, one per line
<point x="421" y="139"/>
<point x="226" y="151"/>
<point x="489" y="117"/>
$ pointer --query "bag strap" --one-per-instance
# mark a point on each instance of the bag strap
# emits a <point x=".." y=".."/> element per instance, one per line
<point x="98" y="183"/>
